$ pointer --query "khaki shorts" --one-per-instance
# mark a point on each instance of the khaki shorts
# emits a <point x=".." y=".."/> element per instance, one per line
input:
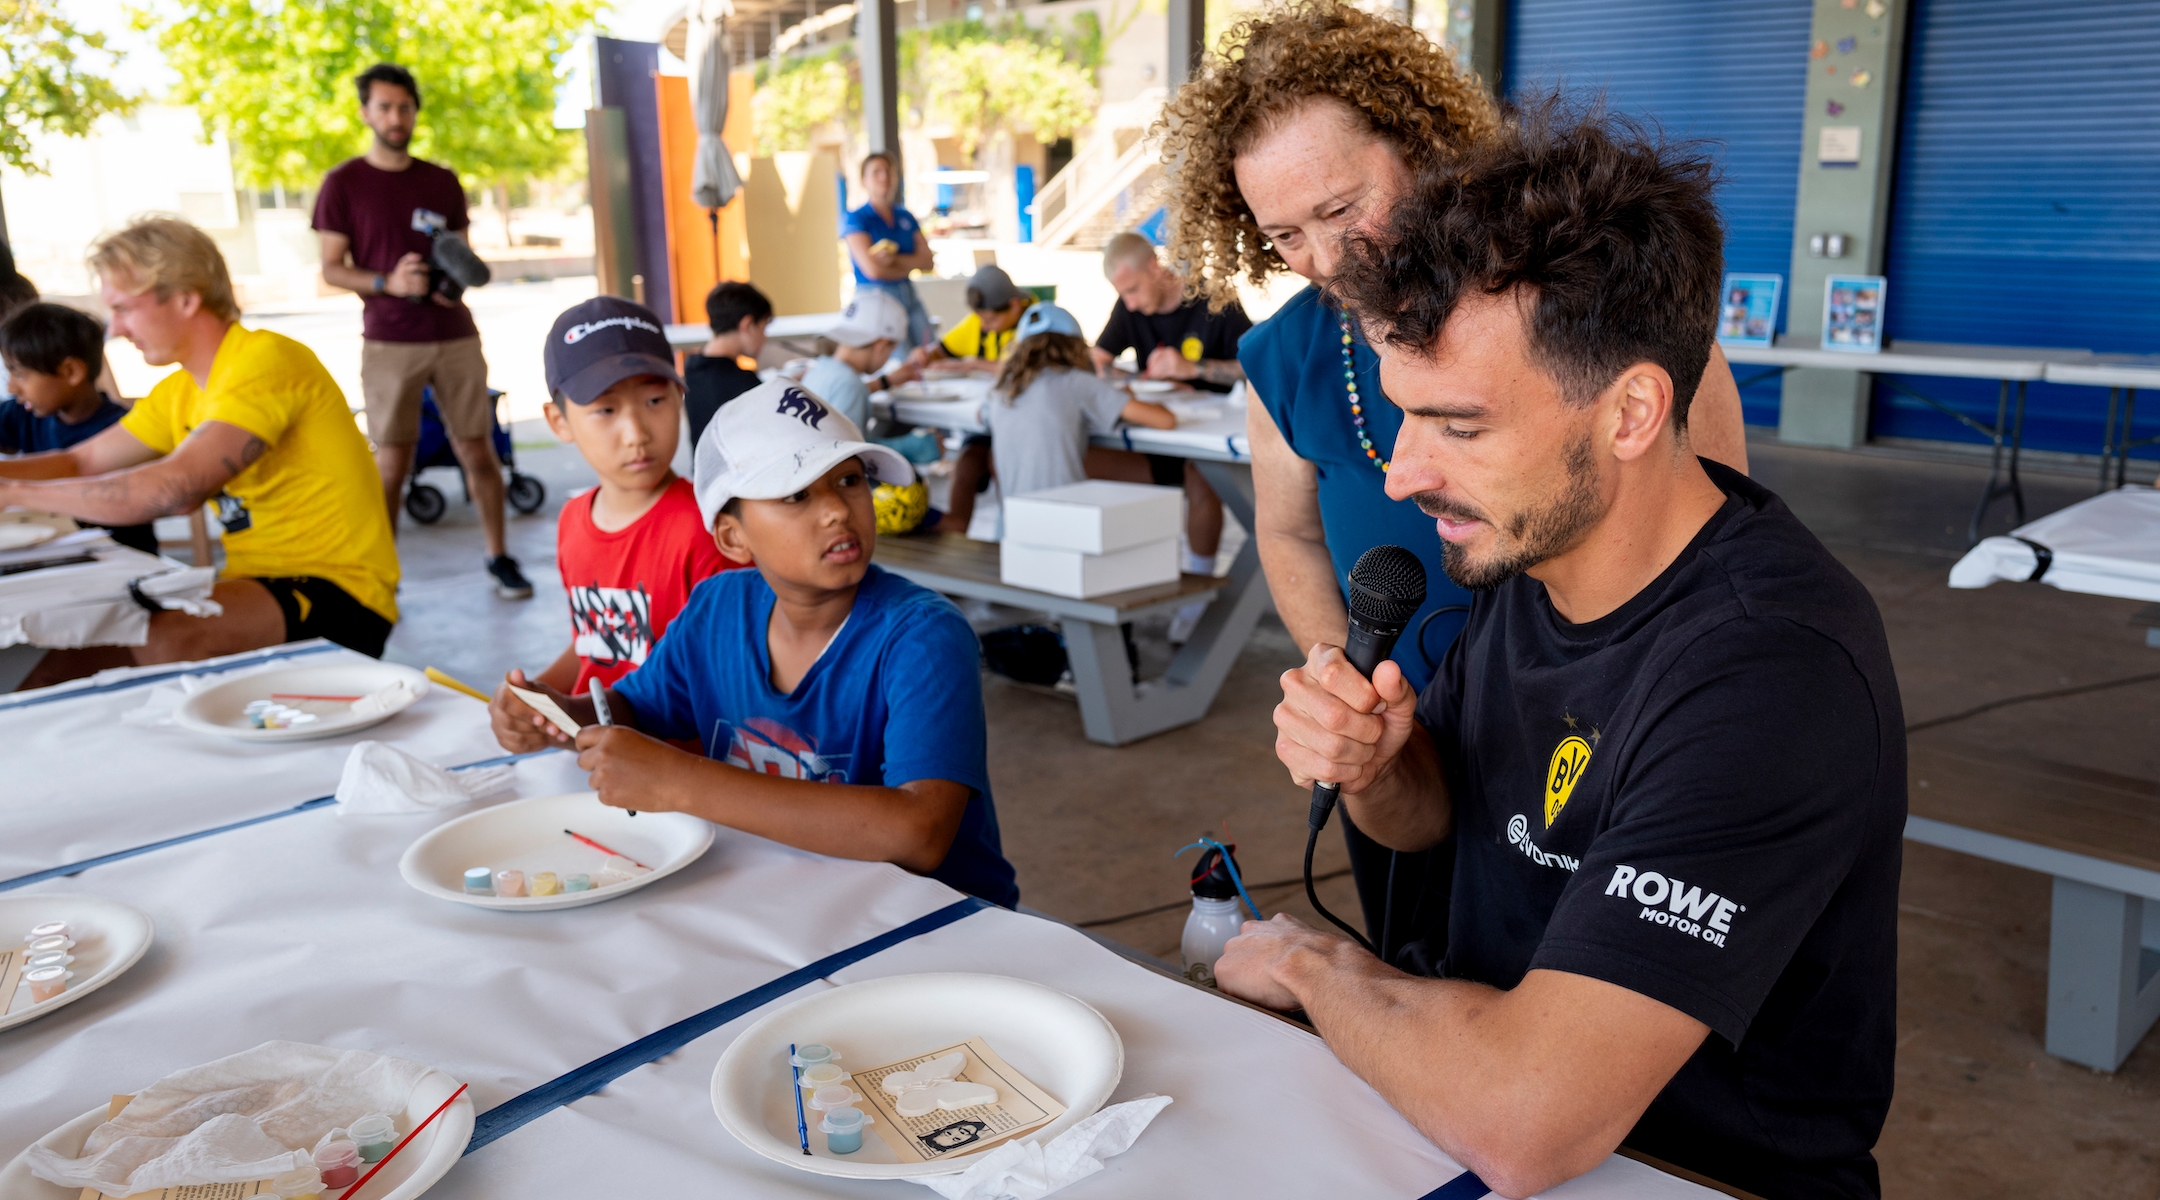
<point x="393" y="373"/>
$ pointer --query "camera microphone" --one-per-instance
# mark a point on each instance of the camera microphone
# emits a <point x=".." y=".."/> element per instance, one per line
<point x="1387" y="587"/>
<point x="454" y="255"/>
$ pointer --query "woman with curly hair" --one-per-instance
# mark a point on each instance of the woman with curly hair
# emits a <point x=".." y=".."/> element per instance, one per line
<point x="1307" y="124"/>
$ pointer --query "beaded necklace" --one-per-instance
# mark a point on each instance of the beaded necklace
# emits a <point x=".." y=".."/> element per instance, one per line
<point x="1357" y="407"/>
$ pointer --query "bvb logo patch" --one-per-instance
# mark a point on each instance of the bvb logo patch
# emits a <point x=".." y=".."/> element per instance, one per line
<point x="1569" y="760"/>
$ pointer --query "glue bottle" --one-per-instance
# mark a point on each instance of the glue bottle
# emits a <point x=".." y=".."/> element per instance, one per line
<point x="1216" y="914"/>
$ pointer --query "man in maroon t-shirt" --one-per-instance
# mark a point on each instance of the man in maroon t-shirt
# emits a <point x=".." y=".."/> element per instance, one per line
<point x="371" y="215"/>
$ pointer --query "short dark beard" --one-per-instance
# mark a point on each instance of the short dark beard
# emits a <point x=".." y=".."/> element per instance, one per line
<point x="400" y="147"/>
<point x="1537" y="534"/>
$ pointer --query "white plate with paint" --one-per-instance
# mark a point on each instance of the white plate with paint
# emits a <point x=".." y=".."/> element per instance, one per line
<point x="416" y="1168"/>
<point x="527" y="835"/>
<point x="1151" y="387"/>
<point x="109" y="937"/>
<point x="1059" y="1042"/>
<point x="222" y="710"/>
<point x="18" y="534"/>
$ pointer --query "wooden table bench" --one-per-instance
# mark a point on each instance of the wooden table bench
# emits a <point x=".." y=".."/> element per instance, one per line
<point x="1115" y="708"/>
<point x="2098" y="834"/>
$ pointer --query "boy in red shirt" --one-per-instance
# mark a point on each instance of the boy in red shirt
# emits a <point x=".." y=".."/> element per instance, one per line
<point x="631" y="549"/>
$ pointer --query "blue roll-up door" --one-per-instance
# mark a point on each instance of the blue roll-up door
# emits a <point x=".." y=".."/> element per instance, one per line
<point x="2027" y="203"/>
<point x="1733" y="74"/>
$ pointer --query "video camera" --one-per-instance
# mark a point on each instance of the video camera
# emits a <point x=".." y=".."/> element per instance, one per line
<point x="452" y="265"/>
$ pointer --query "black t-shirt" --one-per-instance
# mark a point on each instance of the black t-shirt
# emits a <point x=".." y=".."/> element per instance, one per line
<point x="1190" y="328"/>
<point x="1698" y="797"/>
<point x="712" y="383"/>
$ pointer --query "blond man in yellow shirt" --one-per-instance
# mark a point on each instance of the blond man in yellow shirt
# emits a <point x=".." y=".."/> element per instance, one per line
<point x="250" y="425"/>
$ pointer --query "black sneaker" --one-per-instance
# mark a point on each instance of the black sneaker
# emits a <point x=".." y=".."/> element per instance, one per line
<point x="510" y="583"/>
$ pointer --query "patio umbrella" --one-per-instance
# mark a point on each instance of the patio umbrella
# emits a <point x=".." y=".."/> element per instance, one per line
<point x="713" y="181"/>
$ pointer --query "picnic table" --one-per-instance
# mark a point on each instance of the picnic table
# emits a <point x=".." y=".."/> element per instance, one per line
<point x="1115" y="707"/>
<point x="589" y="1036"/>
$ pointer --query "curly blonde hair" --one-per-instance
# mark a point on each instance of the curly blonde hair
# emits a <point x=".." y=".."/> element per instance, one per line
<point x="1046" y="351"/>
<point x="1268" y="65"/>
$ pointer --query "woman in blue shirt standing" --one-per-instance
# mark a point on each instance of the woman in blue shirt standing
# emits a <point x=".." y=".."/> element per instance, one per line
<point x="1305" y="126"/>
<point x="886" y="243"/>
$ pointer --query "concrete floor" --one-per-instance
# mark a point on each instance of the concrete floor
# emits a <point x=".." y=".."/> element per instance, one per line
<point x="1981" y="1110"/>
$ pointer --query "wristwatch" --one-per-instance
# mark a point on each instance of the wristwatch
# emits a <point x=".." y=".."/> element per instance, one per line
<point x="378" y="285"/>
<point x="883" y="384"/>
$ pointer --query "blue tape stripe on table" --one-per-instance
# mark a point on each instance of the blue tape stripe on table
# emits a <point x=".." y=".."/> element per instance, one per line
<point x="76" y="868"/>
<point x="1466" y="1186"/>
<point x="48" y="696"/>
<point x="520" y="1110"/>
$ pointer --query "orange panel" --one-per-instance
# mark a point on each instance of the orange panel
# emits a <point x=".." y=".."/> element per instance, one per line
<point x="693" y="263"/>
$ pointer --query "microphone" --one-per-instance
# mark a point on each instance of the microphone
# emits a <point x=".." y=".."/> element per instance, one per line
<point x="1387" y="587"/>
<point x="455" y="257"/>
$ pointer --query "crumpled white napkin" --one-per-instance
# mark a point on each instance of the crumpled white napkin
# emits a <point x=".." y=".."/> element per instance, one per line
<point x="380" y="779"/>
<point x="253" y="1115"/>
<point x="1028" y="1170"/>
<point x="158" y="706"/>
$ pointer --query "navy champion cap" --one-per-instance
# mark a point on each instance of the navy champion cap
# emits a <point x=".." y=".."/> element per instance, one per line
<point x="600" y="343"/>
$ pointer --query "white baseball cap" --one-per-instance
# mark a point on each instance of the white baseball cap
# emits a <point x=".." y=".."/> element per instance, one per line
<point x="869" y="316"/>
<point x="775" y="440"/>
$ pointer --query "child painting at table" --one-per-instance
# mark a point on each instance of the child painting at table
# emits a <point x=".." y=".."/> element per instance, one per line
<point x="632" y="549"/>
<point x="1048" y="401"/>
<point x="863" y="340"/>
<point x="838" y="707"/>
<point x="53" y="354"/>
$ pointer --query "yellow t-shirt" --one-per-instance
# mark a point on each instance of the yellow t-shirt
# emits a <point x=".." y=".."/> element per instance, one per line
<point x="968" y="340"/>
<point x="312" y="504"/>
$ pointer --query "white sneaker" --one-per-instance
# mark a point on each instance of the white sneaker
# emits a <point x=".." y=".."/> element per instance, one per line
<point x="1186" y="620"/>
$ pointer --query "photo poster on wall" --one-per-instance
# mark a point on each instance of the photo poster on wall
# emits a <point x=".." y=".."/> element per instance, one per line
<point x="1853" y="312"/>
<point x="1747" y="312"/>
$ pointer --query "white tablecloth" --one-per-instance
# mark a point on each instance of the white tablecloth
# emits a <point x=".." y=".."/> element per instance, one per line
<point x="2108" y="546"/>
<point x="301" y="928"/>
<point x="81" y="782"/>
<point x="87" y="604"/>
<point x="1209" y="425"/>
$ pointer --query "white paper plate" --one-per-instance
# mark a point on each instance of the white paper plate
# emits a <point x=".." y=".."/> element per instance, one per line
<point x="110" y="937"/>
<point x="221" y="709"/>
<point x="415" y="1169"/>
<point x="17" y="534"/>
<point x="1151" y="387"/>
<point x="527" y="835"/>
<point x="1061" y="1043"/>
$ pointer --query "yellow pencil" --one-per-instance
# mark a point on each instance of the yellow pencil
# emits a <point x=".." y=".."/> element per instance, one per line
<point x="454" y="685"/>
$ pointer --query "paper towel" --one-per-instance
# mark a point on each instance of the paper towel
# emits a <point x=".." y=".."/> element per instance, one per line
<point x="381" y="779"/>
<point x="1028" y="1170"/>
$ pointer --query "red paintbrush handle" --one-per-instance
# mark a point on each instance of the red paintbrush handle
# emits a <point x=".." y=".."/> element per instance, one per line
<point x="362" y="1181"/>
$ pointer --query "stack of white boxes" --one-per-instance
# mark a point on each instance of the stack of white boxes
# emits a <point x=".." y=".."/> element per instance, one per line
<point x="1092" y="539"/>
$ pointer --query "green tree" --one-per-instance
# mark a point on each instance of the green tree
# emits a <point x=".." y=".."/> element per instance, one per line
<point x="802" y="95"/>
<point x="50" y="80"/>
<point x="978" y="87"/>
<point x="276" y="79"/>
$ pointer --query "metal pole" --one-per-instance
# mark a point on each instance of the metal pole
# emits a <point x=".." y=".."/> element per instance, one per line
<point x="1188" y="28"/>
<point x="878" y="48"/>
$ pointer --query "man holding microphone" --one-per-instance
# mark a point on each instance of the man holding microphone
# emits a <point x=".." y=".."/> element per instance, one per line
<point x="372" y="216"/>
<point x="1669" y="737"/>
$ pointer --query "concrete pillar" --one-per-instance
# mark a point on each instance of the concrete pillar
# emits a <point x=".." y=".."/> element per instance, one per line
<point x="1188" y="33"/>
<point x="878" y="47"/>
<point x="1830" y="407"/>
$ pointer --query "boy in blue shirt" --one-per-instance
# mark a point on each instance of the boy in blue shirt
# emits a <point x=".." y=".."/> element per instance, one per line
<point x="53" y="353"/>
<point x="839" y="707"/>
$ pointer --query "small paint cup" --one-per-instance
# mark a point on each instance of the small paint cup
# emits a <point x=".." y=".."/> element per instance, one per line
<point x="546" y="884"/>
<point x="49" y="929"/>
<point x="375" y="1135"/>
<point x="843" y="1129"/>
<point x="479" y="881"/>
<point x="339" y="1163"/>
<point x="838" y="1095"/>
<point x="58" y="958"/>
<point x="810" y="1054"/>
<point x="577" y="883"/>
<point x="300" y="1183"/>
<point x="46" y="983"/>
<point x="52" y="944"/>
<point x="509" y="883"/>
<point x="822" y="1075"/>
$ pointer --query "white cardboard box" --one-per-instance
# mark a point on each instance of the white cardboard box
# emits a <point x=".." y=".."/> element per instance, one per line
<point x="1095" y="517"/>
<point x="1086" y="576"/>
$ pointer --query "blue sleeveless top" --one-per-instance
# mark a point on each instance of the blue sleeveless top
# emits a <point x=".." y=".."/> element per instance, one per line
<point x="1294" y="362"/>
